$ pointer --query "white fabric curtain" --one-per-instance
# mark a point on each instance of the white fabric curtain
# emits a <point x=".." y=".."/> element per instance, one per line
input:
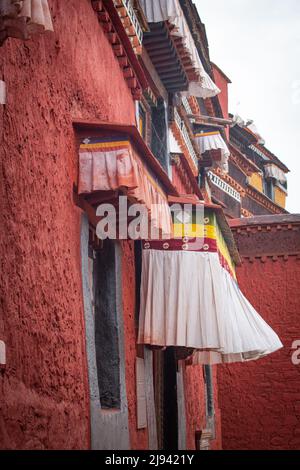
<point x="214" y="141"/>
<point x="37" y="15"/>
<point x="111" y="166"/>
<point x="272" y="171"/>
<point x="170" y="10"/>
<point x="22" y="18"/>
<point x="189" y="300"/>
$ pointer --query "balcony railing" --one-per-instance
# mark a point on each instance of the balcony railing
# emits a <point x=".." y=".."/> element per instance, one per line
<point x="225" y="187"/>
<point x="132" y="26"/>
<point x="186" y="105"/>
<point x="185" y="135"/>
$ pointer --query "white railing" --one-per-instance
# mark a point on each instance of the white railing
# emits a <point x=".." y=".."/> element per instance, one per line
<point x="184" y="132"/>
<point x="186" y="105"/>
<point x="225" y="187"/>
<point x="133" y="18"/>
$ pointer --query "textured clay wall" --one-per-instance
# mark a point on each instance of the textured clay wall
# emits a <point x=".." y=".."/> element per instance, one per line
<point x="195" y="405"/>
<point x="50" y="80"/>
<point x="260" y="400"/>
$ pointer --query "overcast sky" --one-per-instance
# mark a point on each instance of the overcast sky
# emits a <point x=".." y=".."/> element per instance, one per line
<point x="257" y="44"/>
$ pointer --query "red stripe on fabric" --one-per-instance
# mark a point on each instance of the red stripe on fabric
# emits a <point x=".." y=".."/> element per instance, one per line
<point x="183" y="244"/>
<point x="225" y="264"/>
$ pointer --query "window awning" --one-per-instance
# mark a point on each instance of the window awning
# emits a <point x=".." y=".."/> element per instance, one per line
<point x="190" y="299"/>
<point x="112" y="164"/>
<point x="208" y="141"/>
<point x="22" y="18"/>
<point x="157" y="11"/>
<point x="272" y="171"/>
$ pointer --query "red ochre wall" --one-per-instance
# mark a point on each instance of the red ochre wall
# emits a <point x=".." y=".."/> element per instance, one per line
<point x="260" y="400"/>
<point x="50" y="80"/>
<point x="222" y="83"/>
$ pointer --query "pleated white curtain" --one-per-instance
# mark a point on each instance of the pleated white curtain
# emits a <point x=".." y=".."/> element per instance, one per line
<point x="272" y="171"/>
<point x="214" y="141"/>
<point x="22" y="18"/>
<point x="170" y="10"/>
<point x="188" y="300"/>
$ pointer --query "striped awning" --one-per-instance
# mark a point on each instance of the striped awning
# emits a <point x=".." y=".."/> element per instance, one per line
<point x="23" y="18"/>
<point x="157" y="11"/>
<point x="190" y="297"/>
<point x="111" y="164"/>
<point x="208" y="141"/>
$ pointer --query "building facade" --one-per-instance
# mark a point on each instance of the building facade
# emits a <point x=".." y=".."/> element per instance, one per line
<point x="101" y="100"/>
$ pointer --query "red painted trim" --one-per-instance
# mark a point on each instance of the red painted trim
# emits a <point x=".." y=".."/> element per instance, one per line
<point x="110" y="7"/>
<point x="181" y="244"/>
<point x="185" y="199"/>
<point x="192" y="199"/>
<point x="246" y="161"/>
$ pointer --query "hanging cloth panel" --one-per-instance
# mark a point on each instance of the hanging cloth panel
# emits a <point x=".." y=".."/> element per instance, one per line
<point x="272" y="171"/>
<point x="208" y="141"/>
<point x="190" y="298"/>
<point x="112" y="164"/>
<point x="157" y="11"/>
<point x="22" y="18"/>
<point x="106" y="165"/>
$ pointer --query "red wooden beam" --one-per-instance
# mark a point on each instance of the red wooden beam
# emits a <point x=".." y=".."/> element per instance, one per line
<point x="126" y="43"/>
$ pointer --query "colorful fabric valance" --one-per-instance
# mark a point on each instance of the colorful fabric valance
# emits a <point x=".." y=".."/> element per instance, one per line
<point x="109" y="164"/>
<point x="208" y="141"/>
<point x="170" y="10"/>
<point x="22" y="18"/>
<point x="190" y="299"/>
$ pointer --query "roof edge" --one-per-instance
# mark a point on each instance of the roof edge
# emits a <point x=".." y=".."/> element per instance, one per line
<point x="260" y="220"/>
<point x="214" y="65"/>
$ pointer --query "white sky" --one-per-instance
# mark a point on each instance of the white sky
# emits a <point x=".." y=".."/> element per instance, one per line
<point x="257" y="44"/>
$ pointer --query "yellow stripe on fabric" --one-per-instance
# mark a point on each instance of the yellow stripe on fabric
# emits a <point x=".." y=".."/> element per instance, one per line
<point x="194" y="230"/>
<point x="103" y="145"/>
<point x="222" y="246"/>
<point x="210" y="231"/>
<point x="205" y="134"/>
<point x="224" y="252"/>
